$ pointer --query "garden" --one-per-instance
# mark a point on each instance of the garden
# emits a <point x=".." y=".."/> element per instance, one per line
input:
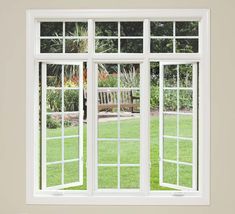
<point x="108" y="150"/>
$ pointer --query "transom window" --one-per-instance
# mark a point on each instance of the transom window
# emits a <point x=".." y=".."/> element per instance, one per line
<point x="119" y="107"/>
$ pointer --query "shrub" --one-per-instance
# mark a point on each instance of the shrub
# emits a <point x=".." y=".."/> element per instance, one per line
<point x="52" y="123"/>
<point x="54" y="100"/>
<point x="71" y="100"/>
<point x="67" y="123"/>
<point x="109" y="81"/>
<point x="154" y="97"/>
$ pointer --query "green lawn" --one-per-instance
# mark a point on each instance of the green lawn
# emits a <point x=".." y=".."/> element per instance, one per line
<point x="129" y="154"/>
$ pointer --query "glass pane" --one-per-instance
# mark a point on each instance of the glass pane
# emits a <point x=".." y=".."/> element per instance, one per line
<point x="107" y="75"/>
<point x="107" y="121"/>
<point x="106" y="29"/>
<point x="161" y="28"/>
<point x="51" y="29"/>
<point x="131" y="45"/>
<point x="129" y="122"/>
<point x="170" y="76"/>
<point x="186" y="28"/>
<point x="170" y="100"/>
<point x="129" y="177"/>
<point x="71" y="148"/>
<point x="107" y="100"/>
<point x="76" y="29"/>
<point x="185" y="126"/>
<point x="129" y="152"/>
<point x="129" y="101"/>
<point x="71" y="100"/>
<point x="131" y="28"/>
<point x="106" y="45"/>
<point x="71" y="172"/>
<point x="107" y="177"/>
<point x="129" y="75"/>
<point x="107" y="152"/>
<point x="185" y="75"/>
<point x="185" y="151"/>
<point x="54" y="75"/>
<point x="186" y="100"/>
<point x="51" y="46"/>
<point x="187" y="45"/>
<point x="71" y="76"/>
<point x="71" y="124"/>
<point x="170" y="125"/>
<point x="170" y="149"/>
<point x="54" y="150"/>
<point x="54" y="125"/>
<point x="185" y="175"/>
<point x="169" y="173"/>
<point x="161" y="45"/>
<point x="54" y="176"/>
<point x="54" y="100"/>
<point x="76" y="46"/>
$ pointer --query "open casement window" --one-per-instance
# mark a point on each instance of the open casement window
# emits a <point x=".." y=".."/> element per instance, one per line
<point x="178" y="125"/>
<point x="62" y="108"/>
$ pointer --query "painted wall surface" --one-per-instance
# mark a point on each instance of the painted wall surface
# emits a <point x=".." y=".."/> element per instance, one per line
<point x="12" y="106"/>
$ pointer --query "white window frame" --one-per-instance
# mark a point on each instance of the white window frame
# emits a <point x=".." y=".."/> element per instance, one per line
<point x="147" y="197"/>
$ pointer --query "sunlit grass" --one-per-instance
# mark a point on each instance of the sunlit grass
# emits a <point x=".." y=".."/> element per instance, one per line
<point x="129" y="154"/>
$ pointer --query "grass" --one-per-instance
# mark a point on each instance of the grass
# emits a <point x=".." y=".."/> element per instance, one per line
<point x="129" y="154"/>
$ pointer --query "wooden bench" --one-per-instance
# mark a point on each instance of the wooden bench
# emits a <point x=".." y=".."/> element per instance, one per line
<point x="108" y="100"/>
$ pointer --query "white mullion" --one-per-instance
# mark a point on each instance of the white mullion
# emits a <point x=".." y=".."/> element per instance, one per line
<point x="119" y="39"/>
<point x="119" y="111"/>
<point x="195" y="137"/>
<point x="80" y="146"/>
<point x="62" y="125"/>
<point x="95" y="153"/>
<point x="161" y="135"/>
<point x="145" y="114"/>
<point x="44" y="129"/>
<point x="91" y="108"/>
<point x="63" y="37"/>
<point x="177" y="140"/>
<point x="174" y="40"/>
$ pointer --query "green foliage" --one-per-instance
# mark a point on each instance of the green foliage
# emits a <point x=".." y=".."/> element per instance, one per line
<point x="54" y="100"/>
<point x="67" y="123"/>
<point x="109" y="81"/>
<point x="154" y="98"/>
<point x="52" y="123"/>
<point x="71" y="100"/>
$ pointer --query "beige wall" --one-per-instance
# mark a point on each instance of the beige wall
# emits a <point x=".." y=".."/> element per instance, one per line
<point x="12" y="106"/>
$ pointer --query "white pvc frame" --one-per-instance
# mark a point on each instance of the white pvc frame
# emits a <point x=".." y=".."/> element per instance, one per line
<point x="145" y="197"/>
